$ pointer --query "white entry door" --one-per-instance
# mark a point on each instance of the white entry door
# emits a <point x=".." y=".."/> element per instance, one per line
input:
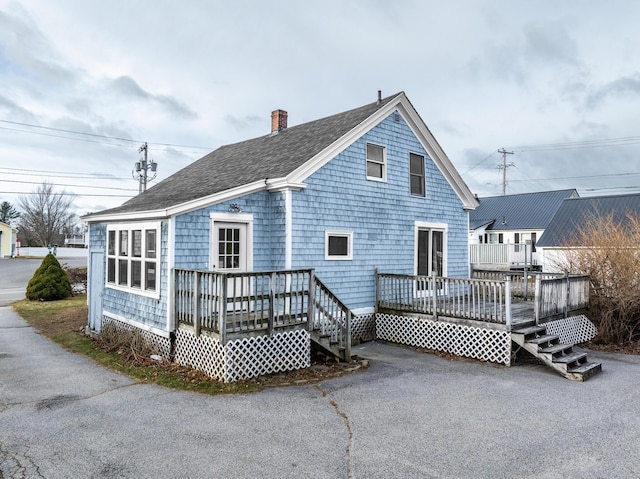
<point x="231" y="254"/>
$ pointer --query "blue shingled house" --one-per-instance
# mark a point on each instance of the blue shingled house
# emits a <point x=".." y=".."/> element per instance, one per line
<point x="271" y="244"/>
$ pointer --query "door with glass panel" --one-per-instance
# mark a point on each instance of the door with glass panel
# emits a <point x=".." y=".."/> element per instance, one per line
<point x="231" y="255"/>
<point x="429" y="256"/>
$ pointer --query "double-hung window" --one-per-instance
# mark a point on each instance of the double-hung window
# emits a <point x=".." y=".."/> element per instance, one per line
<point x="376" y="162"/>
<point x="133" y="261"/>
<point x="416" y="174"/>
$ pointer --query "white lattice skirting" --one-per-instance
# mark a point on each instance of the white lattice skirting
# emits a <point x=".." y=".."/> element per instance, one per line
<point x="363" y="327"/>
<point x="572" y="330"/>
<point x="158" y="344"/>
<point x="244" y="358"/>
<point x="479" y="343"/>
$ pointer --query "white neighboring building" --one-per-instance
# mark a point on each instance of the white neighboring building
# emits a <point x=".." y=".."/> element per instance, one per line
<point x="504" y="230"/>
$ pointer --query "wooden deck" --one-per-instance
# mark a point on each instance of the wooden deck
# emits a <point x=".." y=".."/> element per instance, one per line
<point x="482" y="300"/>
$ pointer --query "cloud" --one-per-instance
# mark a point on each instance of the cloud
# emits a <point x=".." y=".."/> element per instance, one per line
<point x="623" y="87"/>
<point x="127" y="86"/>
<point x="15" y="111"/>
<point x="28" y="55"/>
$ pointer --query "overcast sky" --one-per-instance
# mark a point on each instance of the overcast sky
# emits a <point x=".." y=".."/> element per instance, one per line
<point x="85" y="83"/>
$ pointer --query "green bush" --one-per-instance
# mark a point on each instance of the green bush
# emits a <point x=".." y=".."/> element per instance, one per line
<point x="50" y="282"/>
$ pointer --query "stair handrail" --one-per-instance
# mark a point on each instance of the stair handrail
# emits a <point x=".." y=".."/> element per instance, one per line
<point x="332" y="317"/>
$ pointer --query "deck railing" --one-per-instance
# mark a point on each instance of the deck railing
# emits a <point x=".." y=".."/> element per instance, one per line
<point x="332" y="319"/>
<point x="523" y="283"/>
<point x="501" y="253"/>
<point x="225" y="303"/>
<point x="260" y="302"/>
<point x="488" y="300"/>
<point x="558" y="295"/>
<point x="474" y="299"/>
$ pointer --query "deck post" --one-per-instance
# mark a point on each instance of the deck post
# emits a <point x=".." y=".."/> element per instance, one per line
<point x="434" y="296"/>
<point x="272" y="299"/>
<point x="537" y="298"/>
<point x="222" y="312"/>
<point x="526" y="283"/>
<point x="507" y="302"/>
<point x="311" y="301"/>
<point x="377" y="279"/>
<point x="567" y="295"/>
<point x="196" y="303"/>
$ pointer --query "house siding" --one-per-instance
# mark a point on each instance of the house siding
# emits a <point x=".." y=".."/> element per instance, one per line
<point x="151" y="312"/>
<point x="381" y="215"/>
<point x="193" y="232"/>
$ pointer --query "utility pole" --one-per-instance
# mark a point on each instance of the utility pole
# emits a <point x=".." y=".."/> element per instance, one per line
<point x="504" y="167"/>
<point x="141" y="168"/>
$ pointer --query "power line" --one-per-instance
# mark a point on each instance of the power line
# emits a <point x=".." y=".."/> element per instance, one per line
<point x="623" y="141"/>
<point x="610" y="175"/>
<point x="81" y="195"/>
<point x="61" y="174"/>
<point x="64" y="184"/>
<point x="95" y="135"/>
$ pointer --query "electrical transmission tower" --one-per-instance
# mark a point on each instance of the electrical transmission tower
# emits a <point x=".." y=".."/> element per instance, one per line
<point x="141" y="168"/>
<point x="504" y="167"/>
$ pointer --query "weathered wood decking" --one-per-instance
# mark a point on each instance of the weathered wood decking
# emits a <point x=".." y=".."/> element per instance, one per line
<point x="484" y="300"/>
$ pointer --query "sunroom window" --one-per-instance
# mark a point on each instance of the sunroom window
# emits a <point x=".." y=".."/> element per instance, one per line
<point x="132" y="260"/>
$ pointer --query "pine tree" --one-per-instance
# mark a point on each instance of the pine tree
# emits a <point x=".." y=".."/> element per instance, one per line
<point x="50" y="282"/>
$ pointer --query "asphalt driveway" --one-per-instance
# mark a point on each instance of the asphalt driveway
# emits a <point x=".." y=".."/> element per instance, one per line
<point x="408" y="415"/>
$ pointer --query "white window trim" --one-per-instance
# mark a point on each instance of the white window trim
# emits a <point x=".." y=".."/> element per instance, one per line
<point x="344" y="234"/>
<point x="384" y="163"/>
<point x="117" y="227"/>
<point x="421" y="225"/>
<point x="424" y="176"/>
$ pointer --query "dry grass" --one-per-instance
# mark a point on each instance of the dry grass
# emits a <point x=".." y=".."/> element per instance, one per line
<point x="127" y="352"/>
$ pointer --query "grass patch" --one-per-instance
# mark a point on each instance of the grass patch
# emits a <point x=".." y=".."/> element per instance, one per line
<point x="62" y="322"/>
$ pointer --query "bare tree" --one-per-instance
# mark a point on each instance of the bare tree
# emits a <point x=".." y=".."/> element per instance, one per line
<point x="46" y="214"/>
<point x="7" y="212"/>
<point x="608" y="250"/>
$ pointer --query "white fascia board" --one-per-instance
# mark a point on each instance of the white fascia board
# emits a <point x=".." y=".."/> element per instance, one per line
<point x="182" y="208"/>
<point x="216" y="198"/>
<point x="437" y="154"/>
<point x="318" y="161"/>
<point x="132" y="216"/>
<point x="283" y="184"/>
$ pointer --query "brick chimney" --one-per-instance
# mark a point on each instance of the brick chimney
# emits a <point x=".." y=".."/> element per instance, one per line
<point x="278" y="120"/>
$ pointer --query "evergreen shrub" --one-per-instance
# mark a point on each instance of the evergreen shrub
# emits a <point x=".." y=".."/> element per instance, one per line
<point x="50" y="282"/>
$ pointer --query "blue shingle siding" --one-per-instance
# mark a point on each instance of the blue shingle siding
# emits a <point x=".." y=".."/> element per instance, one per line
<point x="193" y="232"/>
<point x="381" y="215"/>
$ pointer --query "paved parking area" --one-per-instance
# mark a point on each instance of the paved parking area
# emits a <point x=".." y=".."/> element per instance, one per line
<point x="408" y="415"/>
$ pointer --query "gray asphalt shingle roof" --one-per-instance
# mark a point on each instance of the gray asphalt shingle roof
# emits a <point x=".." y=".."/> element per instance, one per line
<point x="573" y="212"/>
<point x="269" y="156"/>
<point x="521" y="211"/>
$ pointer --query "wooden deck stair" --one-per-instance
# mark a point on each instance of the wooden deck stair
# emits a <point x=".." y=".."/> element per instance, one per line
<point x="324" y="344"/>
<point x="571" y="364"/>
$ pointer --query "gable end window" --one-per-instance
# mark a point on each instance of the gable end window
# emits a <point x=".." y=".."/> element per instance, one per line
<point x="132" y="259"/>
<point x="338" y="245"/>
<point x="416" y="174"/>
<point x="376" y="162"/>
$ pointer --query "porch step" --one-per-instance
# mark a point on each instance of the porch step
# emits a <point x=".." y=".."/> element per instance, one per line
<point x="326" y="346"/>
<point x="562" y="358"/>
